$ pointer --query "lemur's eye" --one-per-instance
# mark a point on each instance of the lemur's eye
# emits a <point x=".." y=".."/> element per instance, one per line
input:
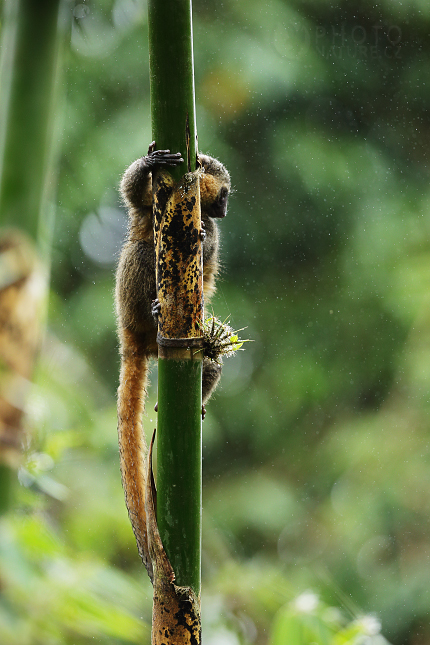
<point x="223" y="193"/>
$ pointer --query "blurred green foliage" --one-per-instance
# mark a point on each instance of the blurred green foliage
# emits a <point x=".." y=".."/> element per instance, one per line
<point x="316" y="446"/>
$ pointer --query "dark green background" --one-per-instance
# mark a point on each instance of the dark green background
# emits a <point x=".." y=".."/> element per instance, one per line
<point x="316" y="445"/>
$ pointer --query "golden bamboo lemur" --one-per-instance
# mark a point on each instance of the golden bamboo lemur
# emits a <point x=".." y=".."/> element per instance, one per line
<point x="137" y="328"/>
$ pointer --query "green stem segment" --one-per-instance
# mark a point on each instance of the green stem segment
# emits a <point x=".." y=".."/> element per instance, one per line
<point x="179" y="460"/>
<point x="179" y="466"/>
<point x="28" y="69"/>
<point x="172" y="78"/>
<point x="6" y="476"/>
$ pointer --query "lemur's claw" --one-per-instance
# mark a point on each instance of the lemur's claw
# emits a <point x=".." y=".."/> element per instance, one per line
<point x="162" y="157"/>
<point x="202" y="231"/>
<point x="156" y="308"/>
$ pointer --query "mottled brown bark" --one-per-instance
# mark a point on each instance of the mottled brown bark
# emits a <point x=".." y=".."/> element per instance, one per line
<point x="177" y="238"/>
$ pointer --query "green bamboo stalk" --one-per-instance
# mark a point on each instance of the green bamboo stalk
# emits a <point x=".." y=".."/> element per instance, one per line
<point x="179" y="466"/>
<point x="28" y="68"/>
<point x="179" y="459"/>
<point x="172" y="77"/>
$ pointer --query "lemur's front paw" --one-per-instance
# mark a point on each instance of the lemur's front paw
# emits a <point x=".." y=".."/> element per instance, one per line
<point x="162" y="157"/>
<point x="202" y="231"/>
<point x="156" y="308"/>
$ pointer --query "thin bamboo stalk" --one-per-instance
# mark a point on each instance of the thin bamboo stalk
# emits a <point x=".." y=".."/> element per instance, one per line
<point x="179" y="386"/>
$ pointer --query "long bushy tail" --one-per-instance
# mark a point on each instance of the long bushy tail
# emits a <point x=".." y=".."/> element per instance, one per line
<point x="132" y="444"/>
